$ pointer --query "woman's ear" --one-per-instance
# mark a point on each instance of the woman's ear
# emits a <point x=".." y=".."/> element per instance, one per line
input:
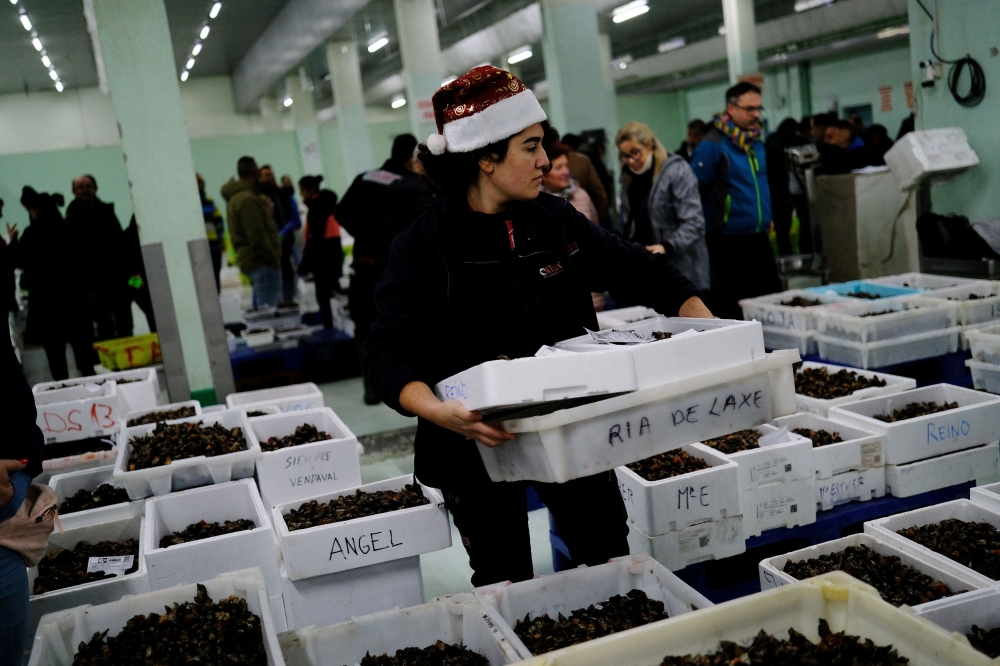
<point x="487" y="164"/>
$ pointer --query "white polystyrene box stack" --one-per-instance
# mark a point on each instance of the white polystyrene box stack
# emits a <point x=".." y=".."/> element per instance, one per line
<point x="286" y="398"/>
<point x="66" y="485"/>
<point x="457" y="619"/>
<point x="187" y="472"/>
<point x="304" y="471"/>
<point x="206" y="558"/>
<point x="928" y="153"/>
<point x="588" y="439"/>
<point x="772" y="570"/>
<point x="99" y="591"/>
<point x="364" y="541"/>
<point x="858" y="485"/>
<point x="783" y="504"/>
<point x="60" y="634"/>
<point x="787" y="326"/>
<point x="860" y="450"/>
<point x="569" y="590"/>
<point x="951" y="469"/>
<point x="139" y="389"/>
<point x="714" y="540"/>
<point x="78" y="411"/>
<point x="821" y="406"/>
<point x="960" y="509"/>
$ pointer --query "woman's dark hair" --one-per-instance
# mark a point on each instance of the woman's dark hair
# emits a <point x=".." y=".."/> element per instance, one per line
<point x="42" y="202"/>
<point x="59" y="199"/>
<point x="557" y="150"/>
<point x="310" y="182"/>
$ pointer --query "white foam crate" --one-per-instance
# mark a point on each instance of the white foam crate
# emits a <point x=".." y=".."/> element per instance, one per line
<point x="206" y="558"/>
<point x="861" y="449"/>
<point x="137" y="413"/>
<point x="803" y="341"/>
<point x="363" y="541"/>
<point x="668" y="505"/>
<point x="297" y="473"/>
<point x="888" y="352"/>
<point x="853" y="486"/>
<point x="720" y="343"/>
<point x="769" y="311"/>
<point x="787" y="504"/>
<point x="535" y="380"/>
<point x="715" y="540"/>
<point x="985" y="376"/>
<point x="585" y="440"/>
<point x="976" y="421"/>
<point x="335" y="598"/>
<point x="78" y="411"/>
<point x="66" y="485"/>
<point x="972" y="311"/>
<point x="958" y="614"/>
<point x="988" y="496"/>
<point x="985" y="343"/>
<point x="141" y="390"/>
<point x="258" y="336"/>
<point x="456" y="619"/>
<point x="847" y="604"/>
<point x="186" y="472"/>
<point x="95" y="592"/>
<point x="286" y="398"/>
<point x="59" y="635"/>
<point x="566" y="591"/>
<point x="772" y="570"/>
<point x="782" y="457"/>
<point x="624" y="316"/>
<point x="893" y="384"/>
<point x="924" y="281"/>
<point x="960" y="509"/>
<point x="277" y="606"/>
<point x="923" y="476"/>
<point x="910" y="315"/>
<point x="77" y="463"/>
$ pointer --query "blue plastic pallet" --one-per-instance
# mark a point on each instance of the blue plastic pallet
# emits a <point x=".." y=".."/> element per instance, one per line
<point x="946" y="369"/>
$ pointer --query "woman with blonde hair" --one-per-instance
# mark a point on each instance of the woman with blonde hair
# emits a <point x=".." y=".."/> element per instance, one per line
<point x="660" y="202"/>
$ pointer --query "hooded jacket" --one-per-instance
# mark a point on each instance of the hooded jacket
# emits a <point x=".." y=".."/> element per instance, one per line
<point x="734" y="188"/>
<point x="251" y="229"/>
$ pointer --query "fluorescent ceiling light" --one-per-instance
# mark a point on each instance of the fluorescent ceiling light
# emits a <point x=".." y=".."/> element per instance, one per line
<point x="377" y="44"/>
<point x="190" y="63"/>
<point x="806" y="5"/>
<point x="59" y="86"/>
<point x="197" y="49"/>
<point x="671" y="44"/>
<point x="13" y="2"/>
<point x="287" y="102"/>
<point x="519" y="55"/>
<point x="629" y="11"/>
<point x="216" y="8"/>
<point x="37" y="43"/>
<point x="184" y="75"/>
<point x="204" y="32"/>
<point x="53" y="75"/>
<point x="25" y="21"/>
<point x="621" y="62"/>
<point x="46" y="61"/>
<point x="399" y="102"/>
<point x="893" y="32"/>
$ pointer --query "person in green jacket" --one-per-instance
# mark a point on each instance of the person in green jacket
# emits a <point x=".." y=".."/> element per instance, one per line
<point x="253" y="234"/>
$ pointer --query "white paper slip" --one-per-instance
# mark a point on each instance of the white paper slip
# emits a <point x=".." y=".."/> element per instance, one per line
<point x="546" y="350"/>
<point x="684" y="334"/>
<point x="115" y="565"/>
<point x="618" y="337"/>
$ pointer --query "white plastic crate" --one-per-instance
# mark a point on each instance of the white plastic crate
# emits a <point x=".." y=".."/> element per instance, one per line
<point x="363" y="541"/>
<point x="888" y="352"/>
<point x="137" y="413"/>
<point x="909" y="315"/>
<point x="960" y="509"/>
<point x="258" y="336"/>
<point x="985" y="376"/>
<point x="803" y="341"/>
<point x="206" y="558"/>
<point x="667" y="505"/>
<point x="78" y="411"/>
<point x="334" y="598"/>
<point x="95" y="592"/>
<point x="623" y="316"/>
<point x="944" y="471"/>
<point x="140" y="390"/>
<point x="568" y="590"/>
<point x="847" y="604"/>
<point x="770" y="312"/>
<point x="286" y="398"/>
<point x="600" y="436"/>
<point x="533" y="380"/>
<point x="922" y="281"/>
<point x="787" y="504"/>
<point x="456" y="619"/>
<point x="79" y="462"/>
<point x="59" y="635"/>
<point x="720" y="343"/>
<point x="780" y="457"/>
<point x="988" y="496"/>
<point x="716" y="540"/>
<point x="861" y="449"/>
<point x="66" y="485"/>
<point x="853" y="486"/>
<point x="958" y="614"/>
<point x="985" y="343"/>
<point x="971" y="311"/>
<point x="893" y="384"/>
<point x="301" y="472"/>
<point x="772" y="570"/>
<point x="976" y="421"/>
<point x="186" y="472"/>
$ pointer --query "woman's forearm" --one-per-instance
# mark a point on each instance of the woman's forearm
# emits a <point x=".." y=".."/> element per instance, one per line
<point x="695" y="308"/>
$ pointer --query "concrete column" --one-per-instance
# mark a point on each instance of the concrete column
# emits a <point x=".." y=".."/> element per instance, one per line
<point x="345" y="75"/>
<point x="795" y="93"/>
<point x="572" y="49"/>
<point x="142" y="75"/>
<point x="805" y="88"/>
<point x="306" y="130"/>
<point x="741" y="37"/>
<point x="423" y="67"/>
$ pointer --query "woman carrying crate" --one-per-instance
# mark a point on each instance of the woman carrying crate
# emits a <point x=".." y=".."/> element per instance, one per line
<point x="495" y="269"/>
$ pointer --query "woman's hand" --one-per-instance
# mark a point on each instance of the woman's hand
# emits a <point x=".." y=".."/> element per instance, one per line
<point x="656" y="249"/>
<point x="12" y="232"/>
<point x="8" y="467"/>
<point x="417" y="397"/>
<point x="695" y="308"/>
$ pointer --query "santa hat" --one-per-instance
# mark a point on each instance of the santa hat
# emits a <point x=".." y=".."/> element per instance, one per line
<point x="481" y="107"/>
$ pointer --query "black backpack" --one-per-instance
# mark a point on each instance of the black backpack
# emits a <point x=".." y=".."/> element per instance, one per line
<point x="951" y="237"/>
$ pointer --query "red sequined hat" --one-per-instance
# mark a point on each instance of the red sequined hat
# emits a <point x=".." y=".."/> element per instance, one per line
<point x="482" y="107"/>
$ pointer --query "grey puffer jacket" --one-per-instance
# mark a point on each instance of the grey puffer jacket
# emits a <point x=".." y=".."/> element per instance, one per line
<point x="676" y="215"/>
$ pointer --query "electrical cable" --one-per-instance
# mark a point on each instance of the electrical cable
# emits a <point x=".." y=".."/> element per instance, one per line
<point x="977" y="78"/>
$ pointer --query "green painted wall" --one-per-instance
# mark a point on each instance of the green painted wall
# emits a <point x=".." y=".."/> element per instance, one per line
<point x="663" y="112"/>
<point x="705" y="101"/>
<point x="215" y="158"/>
<point x="868" y="73"/>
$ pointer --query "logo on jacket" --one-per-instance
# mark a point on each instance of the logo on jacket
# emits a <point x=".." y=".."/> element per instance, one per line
<point x="381" y="177"/>
<point x="551" y="269"/>
<point x="573" y="248"/>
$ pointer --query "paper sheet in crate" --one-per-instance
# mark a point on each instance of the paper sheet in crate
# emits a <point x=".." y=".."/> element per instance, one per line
<point x="68" y="484"/>
<point x="78" y="411"/>
<point x="861" y="449"/>
<point x="852" y="486"/>
<point x="714" y="540"/>
<point x="951" y="469"/>
<point x="787" y="504"/>
<point x="585" y="440"/>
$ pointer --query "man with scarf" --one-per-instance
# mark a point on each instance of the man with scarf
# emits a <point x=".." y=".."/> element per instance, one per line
<point x="732" y="175"/>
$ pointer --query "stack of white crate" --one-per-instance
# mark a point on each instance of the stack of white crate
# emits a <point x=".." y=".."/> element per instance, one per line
<point x="790" y="326"/>
<point x="985" y="362"/>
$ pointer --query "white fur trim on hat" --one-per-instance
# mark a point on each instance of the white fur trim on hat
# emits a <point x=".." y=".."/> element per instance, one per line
<point x="437" y="144"/>
<point x="494" y="123"/>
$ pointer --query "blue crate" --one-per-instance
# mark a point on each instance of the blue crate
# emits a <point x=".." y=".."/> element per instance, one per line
<point x="853" y="287"/>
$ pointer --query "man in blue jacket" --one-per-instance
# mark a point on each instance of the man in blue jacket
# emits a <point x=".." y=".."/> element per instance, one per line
<point x="732" y="173"/>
